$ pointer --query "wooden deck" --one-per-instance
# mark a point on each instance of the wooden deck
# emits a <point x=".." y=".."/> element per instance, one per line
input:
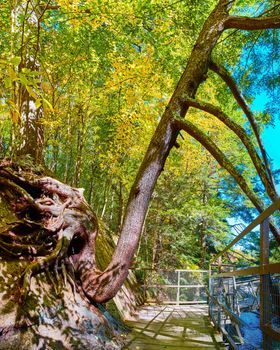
<point x="173" y="328"/>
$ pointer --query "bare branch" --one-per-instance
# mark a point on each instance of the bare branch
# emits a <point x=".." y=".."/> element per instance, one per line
<point x="248" y="23"/>
<point x="244" y="138"/>
<point x="228" y="79"/>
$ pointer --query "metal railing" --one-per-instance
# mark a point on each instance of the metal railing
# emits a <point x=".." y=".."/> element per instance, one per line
<point x="252" y="291"/>
<point x="174" y="286"/>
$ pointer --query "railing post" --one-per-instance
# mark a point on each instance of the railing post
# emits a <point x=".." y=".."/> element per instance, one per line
<point x="210" y="291"/>
<point x="178" y="288"/>
<point x="265" y="303"/>
<point x="220" y="282"/>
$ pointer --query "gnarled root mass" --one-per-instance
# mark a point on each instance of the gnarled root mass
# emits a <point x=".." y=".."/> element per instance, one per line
<point x="54" y="227"/>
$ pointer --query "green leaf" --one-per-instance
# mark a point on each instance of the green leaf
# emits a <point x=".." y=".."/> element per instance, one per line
<point x="16" y="60"/>
<point x="8" y="83"/>
<point x="47" y="104"/>
<point x="31" y="92"/>
<point x="24" y="80"/>
<point x="38" y="103"/>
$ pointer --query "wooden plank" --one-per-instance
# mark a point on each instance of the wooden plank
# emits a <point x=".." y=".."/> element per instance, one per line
<point x="267" y="212"/>
<point x="241" y="272"/>
<point x="146" y="327"/>
<point x="255" y="270"/>
<point x="185" y="328"/>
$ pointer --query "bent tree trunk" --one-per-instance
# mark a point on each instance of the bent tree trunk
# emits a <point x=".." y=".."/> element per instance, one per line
<point x="105" y="285"/>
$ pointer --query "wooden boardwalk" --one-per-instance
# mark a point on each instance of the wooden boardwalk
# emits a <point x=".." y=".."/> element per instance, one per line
<point x="173" y="328"/>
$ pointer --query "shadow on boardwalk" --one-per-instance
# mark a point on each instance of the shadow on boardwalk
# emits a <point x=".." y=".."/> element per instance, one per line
<point x="173" y="327"/>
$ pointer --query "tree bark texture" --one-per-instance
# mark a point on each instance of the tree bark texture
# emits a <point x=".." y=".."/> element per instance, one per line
<point x="47" y="241"/>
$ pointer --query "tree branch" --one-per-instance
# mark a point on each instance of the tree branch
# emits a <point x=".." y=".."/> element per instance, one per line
<point x="244" y="138"/>
<point x="220" y="157"/>
<point x="248" y="23"/>
<point x="228" y="79"/>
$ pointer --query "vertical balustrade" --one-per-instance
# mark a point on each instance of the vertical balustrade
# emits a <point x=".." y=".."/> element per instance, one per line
<point x="265" y="299"/>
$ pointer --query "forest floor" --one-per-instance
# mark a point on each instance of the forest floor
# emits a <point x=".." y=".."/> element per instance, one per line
<point x="173" y="328"/>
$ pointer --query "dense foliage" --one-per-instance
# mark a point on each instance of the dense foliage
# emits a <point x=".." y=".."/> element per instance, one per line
<point x="102" y="73"/>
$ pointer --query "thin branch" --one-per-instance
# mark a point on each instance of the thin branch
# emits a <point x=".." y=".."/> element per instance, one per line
<point x="244" y="138"/>
<point x="248" y="23"/>
<point x="269" y="10"/>
<point x="228" y="79"/>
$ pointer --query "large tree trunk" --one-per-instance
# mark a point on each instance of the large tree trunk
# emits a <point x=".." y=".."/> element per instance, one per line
<point x="47" y="242"/>
<point x="108" y="283"/>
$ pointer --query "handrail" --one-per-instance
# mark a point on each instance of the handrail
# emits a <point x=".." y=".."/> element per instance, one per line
<point x="266" y="213"/>
<point x="263" y="270"/>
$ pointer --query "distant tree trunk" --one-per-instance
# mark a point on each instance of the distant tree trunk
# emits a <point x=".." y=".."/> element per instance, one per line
<point x="31" y="131"/>
<point x="91" y="183"/>
<point x="121" y="206"/>
<point x="80" y="146"/>
<point x="55" y="151"/>
<point x="28" y="131"/>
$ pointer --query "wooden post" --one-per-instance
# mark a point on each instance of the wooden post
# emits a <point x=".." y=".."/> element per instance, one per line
<point x="219" y="264"/>
<point x="265" y="303"/>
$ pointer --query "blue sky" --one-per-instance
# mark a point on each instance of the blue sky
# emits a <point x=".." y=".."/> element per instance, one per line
<point x="271" y="135"/>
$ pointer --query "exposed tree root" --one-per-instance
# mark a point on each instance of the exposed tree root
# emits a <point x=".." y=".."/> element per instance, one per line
<point x="55" y="228"/>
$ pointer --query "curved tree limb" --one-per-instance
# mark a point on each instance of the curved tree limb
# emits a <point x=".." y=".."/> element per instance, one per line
<point x="152" y="165"/>
<point x="242" y="135"/>
<point x="248" y="23"/>
<point x="228" y="79"/>
<point x="203" y="139"/>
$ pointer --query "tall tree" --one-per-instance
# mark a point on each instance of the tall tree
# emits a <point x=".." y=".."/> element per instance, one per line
<point x="164" y="139"/>
<point x="59" y="226"/>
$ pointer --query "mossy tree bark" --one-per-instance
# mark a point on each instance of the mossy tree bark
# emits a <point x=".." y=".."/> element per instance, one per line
<point x="47" y="241"/>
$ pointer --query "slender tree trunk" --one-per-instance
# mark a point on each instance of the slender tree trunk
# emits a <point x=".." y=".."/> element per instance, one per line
<point x="92" y="167"/>
<point x="80" y="147"/>
<point x="28" y="128"/>
<point x="121" y="206"/>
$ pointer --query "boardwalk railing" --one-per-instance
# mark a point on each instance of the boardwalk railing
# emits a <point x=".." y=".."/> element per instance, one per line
<point x="254" y="290"/>
<point x="174" y="286"/>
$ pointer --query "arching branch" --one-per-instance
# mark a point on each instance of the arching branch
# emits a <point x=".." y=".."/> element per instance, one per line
<point x="220" y="157"/>
<point x="248" y="23"/>
<point x="244" y="138"/>
<point x="228" y="79"/>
